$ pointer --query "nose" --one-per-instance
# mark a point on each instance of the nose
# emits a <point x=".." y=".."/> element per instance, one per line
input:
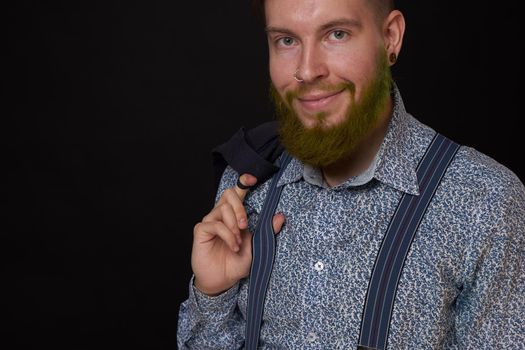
<point x="312" y="65"/>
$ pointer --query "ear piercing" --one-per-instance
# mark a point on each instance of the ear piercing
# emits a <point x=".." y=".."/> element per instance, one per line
<point x="392" y="57"/>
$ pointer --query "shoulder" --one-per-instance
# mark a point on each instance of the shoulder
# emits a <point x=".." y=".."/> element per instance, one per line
<point x="488" y="200"/>
<point x="481" y="174"/>
<point x="488" y="191"/>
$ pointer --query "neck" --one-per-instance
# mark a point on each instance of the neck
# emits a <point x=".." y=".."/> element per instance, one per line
<point x="363" y="155"/>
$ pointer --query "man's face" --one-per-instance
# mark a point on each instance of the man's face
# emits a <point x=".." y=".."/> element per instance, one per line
<point x="336" y="47"/>
<point x="329" y="42"/>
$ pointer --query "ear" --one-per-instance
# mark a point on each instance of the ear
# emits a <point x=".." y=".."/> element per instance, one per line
<point x="393" y="31"/>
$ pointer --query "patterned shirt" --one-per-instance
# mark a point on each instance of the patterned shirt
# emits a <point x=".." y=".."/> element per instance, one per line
<point x="463" y="281"/>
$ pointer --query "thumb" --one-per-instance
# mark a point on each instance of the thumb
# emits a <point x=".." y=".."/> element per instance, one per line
<point x="278" y="222"/>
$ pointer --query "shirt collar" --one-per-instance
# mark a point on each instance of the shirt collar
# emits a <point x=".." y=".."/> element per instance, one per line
<point x="398" y="156"/>
<point x="396" y="161"/>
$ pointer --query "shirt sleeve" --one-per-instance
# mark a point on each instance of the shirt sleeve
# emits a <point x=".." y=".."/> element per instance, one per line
<point x="490" y="311"/>
<point x="211" y="322"/>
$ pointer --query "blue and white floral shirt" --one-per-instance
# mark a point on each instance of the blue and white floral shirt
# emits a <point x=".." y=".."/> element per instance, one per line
<point x="463" y="282"/>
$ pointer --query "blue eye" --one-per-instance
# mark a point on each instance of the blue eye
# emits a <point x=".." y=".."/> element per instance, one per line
<point x="338" y="35"/>
<point x="286" y="41"/>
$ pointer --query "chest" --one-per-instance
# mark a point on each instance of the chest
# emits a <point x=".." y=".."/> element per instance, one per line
<point x="325" y="255"/>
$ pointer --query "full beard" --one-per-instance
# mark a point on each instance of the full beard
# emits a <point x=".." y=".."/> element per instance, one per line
<point x="322" y="145"/>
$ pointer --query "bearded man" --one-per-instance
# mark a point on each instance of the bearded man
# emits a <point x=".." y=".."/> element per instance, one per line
<point x="370" y="251"/>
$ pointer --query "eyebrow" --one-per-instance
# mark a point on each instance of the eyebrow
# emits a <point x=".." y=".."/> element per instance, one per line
<point x="341" y="22"/>
<point x="269" y="29"/>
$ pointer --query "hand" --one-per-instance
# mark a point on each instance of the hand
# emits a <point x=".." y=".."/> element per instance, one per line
<point x="222" y="246"/>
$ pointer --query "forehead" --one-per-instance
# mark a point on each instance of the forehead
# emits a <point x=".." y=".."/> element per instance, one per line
<point x="284" y="13"/>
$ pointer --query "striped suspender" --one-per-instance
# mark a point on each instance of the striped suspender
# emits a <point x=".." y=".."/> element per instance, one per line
<point x="263" y="250"/>
<point x="389" y="261"/>
<point x="396" y="243"/>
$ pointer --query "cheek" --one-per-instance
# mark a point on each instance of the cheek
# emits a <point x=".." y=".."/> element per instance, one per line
<point x="357" y="69"/>
<point x="281" y="72"/>
<point x="275" y="74"/>
<point x="278" y="77"/>
<point x="345" y="65"/>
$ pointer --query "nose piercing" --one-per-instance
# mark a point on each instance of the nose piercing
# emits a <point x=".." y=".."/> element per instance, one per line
<point x="297" y="78"/>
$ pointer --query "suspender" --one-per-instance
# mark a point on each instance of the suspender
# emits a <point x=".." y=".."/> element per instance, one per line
<point x="389" y="261"/>
<point x="263" y="249"/>
<point x="396" y="243"/>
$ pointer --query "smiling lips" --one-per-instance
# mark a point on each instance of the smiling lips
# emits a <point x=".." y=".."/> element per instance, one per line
<point x="317" y="102"/>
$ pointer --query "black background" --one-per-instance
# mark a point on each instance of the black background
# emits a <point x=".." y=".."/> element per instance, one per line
<point x="110" y="112"/>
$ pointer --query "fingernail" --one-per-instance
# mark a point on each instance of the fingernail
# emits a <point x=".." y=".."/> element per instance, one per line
<point x="242" y="223"/>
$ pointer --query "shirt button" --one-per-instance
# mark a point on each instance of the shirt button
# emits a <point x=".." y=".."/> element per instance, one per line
<point x="319" y="266"/>
<point x="311" y="337"/>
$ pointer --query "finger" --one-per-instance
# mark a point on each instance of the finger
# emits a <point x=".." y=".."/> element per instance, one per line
<point x="226" y="213"/>
<point x="243" y="185"/>
<point x="206" y="231"/>
<point x="235" y="197"/>
<point x="230" y="197"/>
<point x="278" y="222"/>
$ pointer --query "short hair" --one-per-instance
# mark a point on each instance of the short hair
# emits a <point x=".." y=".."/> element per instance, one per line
<point x="381" y="7"/>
